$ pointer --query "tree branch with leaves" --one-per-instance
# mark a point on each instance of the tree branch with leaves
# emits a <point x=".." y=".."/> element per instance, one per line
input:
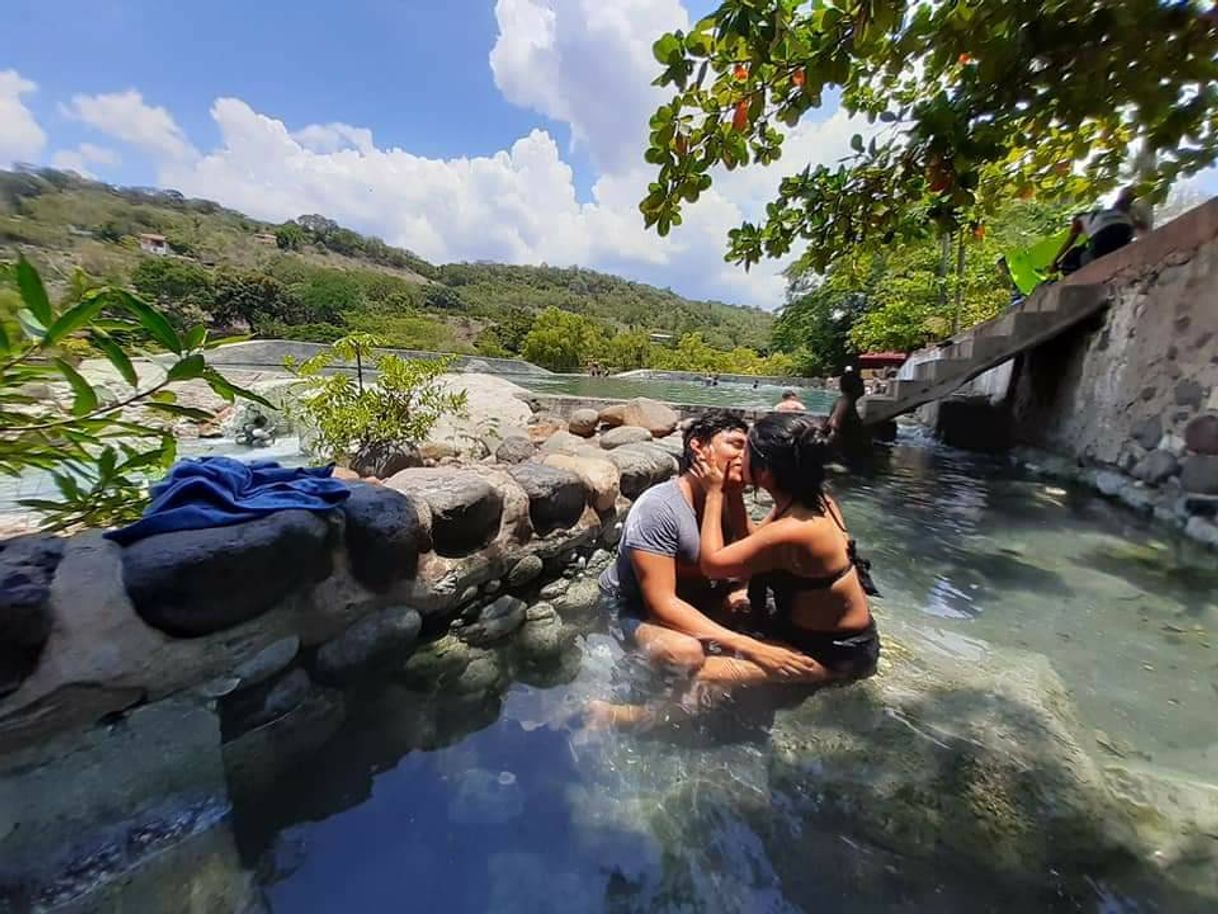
<point x="101" y="451"/>
<point x="978" y="101"/>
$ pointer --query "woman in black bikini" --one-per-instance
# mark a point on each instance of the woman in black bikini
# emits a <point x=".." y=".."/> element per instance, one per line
<point x="808" y="586"/>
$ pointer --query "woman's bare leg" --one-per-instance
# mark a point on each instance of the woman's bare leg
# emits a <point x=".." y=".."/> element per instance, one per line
<point x="741" y="672"/>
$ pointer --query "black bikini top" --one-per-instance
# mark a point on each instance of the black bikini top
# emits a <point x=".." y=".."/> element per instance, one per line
<point x="785" y="584"/>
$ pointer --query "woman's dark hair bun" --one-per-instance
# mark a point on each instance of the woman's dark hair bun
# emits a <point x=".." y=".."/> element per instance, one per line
<point x="795" y="449"/>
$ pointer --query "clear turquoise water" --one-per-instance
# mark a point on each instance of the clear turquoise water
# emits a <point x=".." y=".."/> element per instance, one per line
<point x="743" y="396"/>
<point x="511" y="807"/>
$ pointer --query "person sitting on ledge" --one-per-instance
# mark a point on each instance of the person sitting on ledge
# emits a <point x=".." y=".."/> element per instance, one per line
<point x="790" y="402"/>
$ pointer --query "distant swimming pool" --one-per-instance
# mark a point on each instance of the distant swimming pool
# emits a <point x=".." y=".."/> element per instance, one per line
<point x="743" y="396"/>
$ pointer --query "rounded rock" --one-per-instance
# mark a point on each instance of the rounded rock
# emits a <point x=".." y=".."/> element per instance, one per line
<point x="583" y="422"/>
<point x="1201" y="435"/>
<point x="525" y="571"/>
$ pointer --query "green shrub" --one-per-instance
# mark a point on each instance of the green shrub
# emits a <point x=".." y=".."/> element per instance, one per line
<point x="346" y="414"/>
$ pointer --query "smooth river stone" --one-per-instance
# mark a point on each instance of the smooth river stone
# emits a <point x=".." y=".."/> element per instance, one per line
<point x="194" y="582"/>
<point x="465" y="507"/>
<point x="556" y="496"/>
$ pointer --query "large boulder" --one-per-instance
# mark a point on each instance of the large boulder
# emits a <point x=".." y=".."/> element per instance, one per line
<point x="193" y="582"/>
<point x="383" y="459"/>
<point x="27" y="565"/>
<point x="492" y="407"/>
<point x="515" y="449"/>
<point x="983" y="763"/>
<point x="625" y="434"/>
<point x="382" y="638"/>
<point x="556" y="496"/>
<point x="1201" y="434"/>
<point x="384" y="535"/>
<point x="1200" y="474"/>
<point x="1156" y="467"/>
<point x="563" y="443"/>
<point x="543" y="427"/>
<point x="641" y="466"/>
<point x="613" y="415"/>
<point x="599" y="475"/>
<point x="658" y="418"/>
<point x="465" y="507"/>
<point x="583" y="422"/>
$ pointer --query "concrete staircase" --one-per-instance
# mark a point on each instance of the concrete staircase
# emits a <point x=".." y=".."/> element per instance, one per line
<point x="1040" y="317"/>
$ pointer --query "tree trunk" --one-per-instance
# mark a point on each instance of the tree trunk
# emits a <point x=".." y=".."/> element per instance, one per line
<point x="959" y="284"/>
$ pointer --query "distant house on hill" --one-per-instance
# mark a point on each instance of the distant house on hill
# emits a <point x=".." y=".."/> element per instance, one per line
<point x="657" y="337"/>
<point x="153" y="244"/>
<point x="265" y="238"/>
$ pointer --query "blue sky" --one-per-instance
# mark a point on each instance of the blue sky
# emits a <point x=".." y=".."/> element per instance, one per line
<point x="415" y="72"/>
<point x="508" y="130"/>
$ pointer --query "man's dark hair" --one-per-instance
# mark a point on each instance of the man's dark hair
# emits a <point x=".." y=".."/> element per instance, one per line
<point x="790" y="394"/>
<point x="706" y="427"/>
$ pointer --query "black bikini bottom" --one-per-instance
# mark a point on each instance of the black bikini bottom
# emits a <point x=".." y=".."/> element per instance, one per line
<point x="850" y="655"/>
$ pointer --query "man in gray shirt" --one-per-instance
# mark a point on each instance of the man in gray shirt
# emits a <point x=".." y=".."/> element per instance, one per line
<point x="659" y="597"/>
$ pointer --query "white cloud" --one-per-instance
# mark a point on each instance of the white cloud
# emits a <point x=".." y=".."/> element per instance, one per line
<point x="127" y="117"/>
<point x="583" y="62"/>
<point x="21" y="139"/>
<point x="83" y="156"/>
<point x="333" y="137"/>
<point x="588" y="63"/>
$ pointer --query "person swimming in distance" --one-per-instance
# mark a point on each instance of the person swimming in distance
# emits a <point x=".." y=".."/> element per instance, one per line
<point x="790" y="402"/>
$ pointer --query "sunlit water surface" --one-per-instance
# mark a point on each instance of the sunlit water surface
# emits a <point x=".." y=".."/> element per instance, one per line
<point x="511" y="806"/>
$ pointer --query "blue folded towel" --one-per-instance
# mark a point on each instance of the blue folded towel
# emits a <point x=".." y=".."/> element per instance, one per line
<point x="218" y="491"/>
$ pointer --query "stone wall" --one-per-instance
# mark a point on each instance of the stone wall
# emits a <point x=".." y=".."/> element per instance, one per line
<point x="139" y="684"/>
<point x="652" y="374"/>
<point x="255" y="354"/>
<point x="564" y="405"/>
<point x="1135" y="391"/>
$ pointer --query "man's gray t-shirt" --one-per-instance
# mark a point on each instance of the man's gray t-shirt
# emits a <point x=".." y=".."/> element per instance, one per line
<point x="661" y="522"/>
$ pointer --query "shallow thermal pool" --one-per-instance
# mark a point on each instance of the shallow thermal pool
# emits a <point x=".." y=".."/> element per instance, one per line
<point x="511" y="806"/>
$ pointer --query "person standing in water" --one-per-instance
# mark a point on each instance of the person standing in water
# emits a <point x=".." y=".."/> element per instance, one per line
<point x="790" y="402"/>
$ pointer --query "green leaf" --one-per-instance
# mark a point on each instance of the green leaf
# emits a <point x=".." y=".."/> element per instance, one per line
<point x="33" y="293"/>
<point x="114" y="352"/>
<point x="185" y="412"/>
<point x="226" y="341"/>
<point x="164" y="396"/>
<point x="85" y="397"/>
<point x="856" y="142"/>
<point x="73" y="319"/>
<point x="30" y="325"/>
<point x="227" y="389"/>
<point x="188" y="368"/>
<point x="151" y="320"/>
<point x="196" y="337"/>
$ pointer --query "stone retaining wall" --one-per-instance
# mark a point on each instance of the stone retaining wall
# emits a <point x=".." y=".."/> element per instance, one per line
<point x="271" y="353"/>
<point x="564" y="405"/>
<point x="135" y="682"/>
<point x="651" y="374"/>
<point x="1131" y="398"/>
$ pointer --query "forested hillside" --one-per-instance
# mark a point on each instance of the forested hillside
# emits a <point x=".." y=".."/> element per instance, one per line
<point x="313" y="279"/>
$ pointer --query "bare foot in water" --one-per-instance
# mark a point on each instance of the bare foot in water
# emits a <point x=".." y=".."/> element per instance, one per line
<point x="603" y="715"/>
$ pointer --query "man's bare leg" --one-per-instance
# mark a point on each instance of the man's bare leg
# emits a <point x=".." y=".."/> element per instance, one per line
<point x="663" y="647"/>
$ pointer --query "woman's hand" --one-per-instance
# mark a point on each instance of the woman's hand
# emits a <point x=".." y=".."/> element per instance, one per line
<point x="708" y="475"/>
<point x="781" y="661"/>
